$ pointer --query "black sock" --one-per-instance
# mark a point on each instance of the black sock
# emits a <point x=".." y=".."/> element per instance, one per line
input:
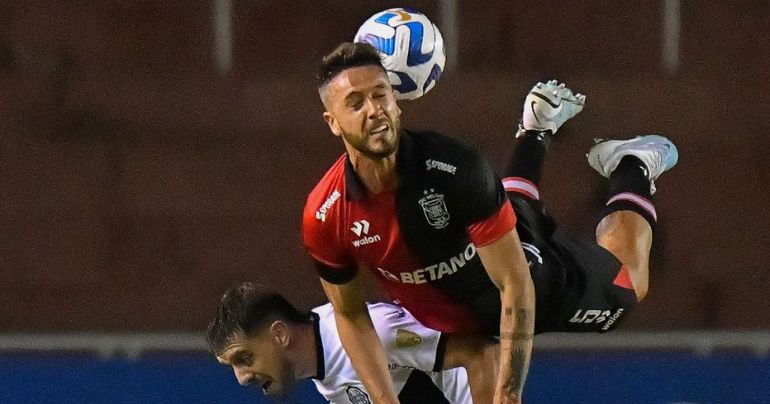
<point x="529" y="155"/>
<point x="630" y="190"/>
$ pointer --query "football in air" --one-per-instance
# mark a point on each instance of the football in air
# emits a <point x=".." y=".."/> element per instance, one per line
<point x="411" y="46"/>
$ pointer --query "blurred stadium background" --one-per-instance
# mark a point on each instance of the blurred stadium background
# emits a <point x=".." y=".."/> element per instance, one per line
<point x="154" y="152"/>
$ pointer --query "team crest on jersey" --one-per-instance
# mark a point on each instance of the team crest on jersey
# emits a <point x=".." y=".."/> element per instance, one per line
<point x="407" y="339"/>
<point x="357" y="396"/>
<point x="434" y="208"/>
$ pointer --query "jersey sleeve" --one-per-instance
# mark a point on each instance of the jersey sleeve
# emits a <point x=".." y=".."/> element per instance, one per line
<point x="324" y="246"/>
<point x="488" y="212"/>
<point x="490" y="229"/>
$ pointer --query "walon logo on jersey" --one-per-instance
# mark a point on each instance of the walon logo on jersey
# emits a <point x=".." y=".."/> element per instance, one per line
<point x="361" y="229"/>
<point x="613" y="319"/>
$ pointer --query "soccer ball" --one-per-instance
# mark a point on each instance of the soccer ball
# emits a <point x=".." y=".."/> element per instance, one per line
<point x="411" y="46"/>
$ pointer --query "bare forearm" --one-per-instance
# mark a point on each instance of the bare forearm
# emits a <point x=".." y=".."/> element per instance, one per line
<point x="360" y="339"/>
<point x="507" y="267"/>
<point x="367" y="355"/>
<point x="516" y="332"/>
<point x="482" y="374"/>
<point x="479" y="355"/>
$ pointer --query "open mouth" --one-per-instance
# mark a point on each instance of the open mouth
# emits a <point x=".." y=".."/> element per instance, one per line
<point x="379" y="129"/>
<point x="266" y="385"/>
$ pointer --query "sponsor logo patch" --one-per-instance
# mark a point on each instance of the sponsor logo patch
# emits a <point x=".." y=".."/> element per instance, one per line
<point x="612" y="319"/>
<point x="439" y="165"/>
<point x="361" y="229"/>
<point x="388" y="275"/>
<point x="321" y="213"/>
<point x="590" y="316"/>
<point x="596" y="317"/>
<point x="441" y="269"/>
<point x="407" y="339"/>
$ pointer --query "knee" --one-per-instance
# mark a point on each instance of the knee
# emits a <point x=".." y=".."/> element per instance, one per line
<point x="641" y="292"/>
<point x="638" y="273"/>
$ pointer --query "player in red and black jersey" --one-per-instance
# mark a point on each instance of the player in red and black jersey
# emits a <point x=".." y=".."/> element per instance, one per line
<point x="429" y="217"/>
<point x="357" y="215"/>
<point x="422" y="237"/>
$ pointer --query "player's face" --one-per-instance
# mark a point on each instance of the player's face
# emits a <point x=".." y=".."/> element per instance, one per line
<point x="261" y="361"/>
<point x="361" y="108"/>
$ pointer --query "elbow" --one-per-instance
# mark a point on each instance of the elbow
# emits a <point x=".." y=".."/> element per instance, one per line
<point x="518" y="283"/>
<point x="351" y="311"/>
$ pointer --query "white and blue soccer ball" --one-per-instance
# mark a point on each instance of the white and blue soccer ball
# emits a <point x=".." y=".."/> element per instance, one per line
<point x="411" y="46"/>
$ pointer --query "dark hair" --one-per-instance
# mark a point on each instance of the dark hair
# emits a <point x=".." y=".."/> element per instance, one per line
<point x="345" y="56"/>
<point x="246" y="308"/>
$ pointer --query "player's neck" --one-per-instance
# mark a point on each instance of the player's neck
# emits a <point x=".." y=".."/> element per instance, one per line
<point x="306" y="353"/>
<point x="377" y="175"/>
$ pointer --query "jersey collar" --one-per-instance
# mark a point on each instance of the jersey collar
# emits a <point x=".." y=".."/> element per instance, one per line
<point x="319" y="348"/>
<point x="355" y="191"/>
<point x="406" y="165"/>
<point x="408" y="160"/>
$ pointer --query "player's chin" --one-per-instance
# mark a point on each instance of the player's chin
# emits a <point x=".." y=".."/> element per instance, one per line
<point x="383" y="147"/>
<point x="380" y="153"/>
<point x="278" y="390"/>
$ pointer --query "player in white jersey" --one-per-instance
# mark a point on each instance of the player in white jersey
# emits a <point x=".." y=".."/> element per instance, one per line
<point x="409" y="344"/>
<point x="269" y="343"/>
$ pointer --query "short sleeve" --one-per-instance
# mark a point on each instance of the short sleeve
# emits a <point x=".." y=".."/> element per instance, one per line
<point x="488" y="212"/>
<point x="490" y="229"/>
<point x="480" y="189"/>
<point x="322" y="247"/>
<point x="319" y="226"/>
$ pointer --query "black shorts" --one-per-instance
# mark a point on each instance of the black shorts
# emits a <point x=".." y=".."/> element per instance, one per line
<point x="580" y="286"/>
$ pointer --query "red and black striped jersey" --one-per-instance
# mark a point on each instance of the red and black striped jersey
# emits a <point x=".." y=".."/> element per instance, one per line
<point x="420" y="239"/>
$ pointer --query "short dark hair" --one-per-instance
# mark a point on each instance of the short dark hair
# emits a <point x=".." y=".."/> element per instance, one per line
<point x="346" y="56"/>
<point x="246" y="308"/>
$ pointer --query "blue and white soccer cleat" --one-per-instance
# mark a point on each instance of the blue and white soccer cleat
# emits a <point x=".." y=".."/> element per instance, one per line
<point x="549" y="105"/>
<point x="657" y="153"/>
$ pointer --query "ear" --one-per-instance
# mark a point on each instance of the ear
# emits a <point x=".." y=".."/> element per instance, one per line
<point x="279" y="333"/>
<point x="334" y="125"/>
